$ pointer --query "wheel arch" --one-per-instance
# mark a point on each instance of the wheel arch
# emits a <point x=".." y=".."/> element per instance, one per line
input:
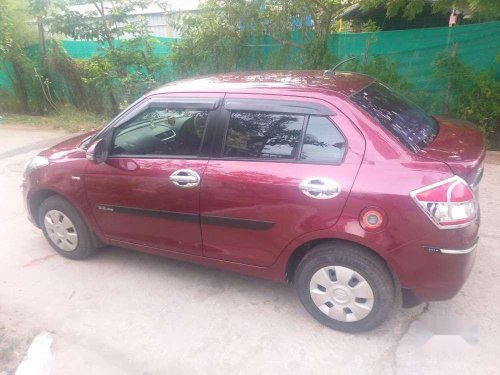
<point x="298" y="254"/>
<point x="35" y="201"/>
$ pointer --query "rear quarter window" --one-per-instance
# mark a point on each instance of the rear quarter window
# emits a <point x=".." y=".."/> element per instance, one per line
<point x="323" y="142"/>
<point x="409" y="123"/>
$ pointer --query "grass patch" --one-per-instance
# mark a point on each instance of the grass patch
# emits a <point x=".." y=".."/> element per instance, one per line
<point x="68" y="118"/>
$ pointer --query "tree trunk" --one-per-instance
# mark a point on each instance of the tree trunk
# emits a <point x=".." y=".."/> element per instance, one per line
<point x="99" y="5"/>
<point x="446" y="108"/>
<point x="115" y="107"/>
<point x="104" y="18"/>
<point x="43" y="60"/>
<point x="320" y="55"/>
<point x="367" y="51"/>
<point x="20" y="84"/>
<point x="41" y="37"/>
<point x="146" y="63"/>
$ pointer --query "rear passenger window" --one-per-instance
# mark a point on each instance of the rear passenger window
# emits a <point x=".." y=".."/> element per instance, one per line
<point x="263" y="135"/>
<point x="323" y="142"/>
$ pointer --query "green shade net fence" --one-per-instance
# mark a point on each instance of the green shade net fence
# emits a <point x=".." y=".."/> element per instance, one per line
<point x="413" y="51"/>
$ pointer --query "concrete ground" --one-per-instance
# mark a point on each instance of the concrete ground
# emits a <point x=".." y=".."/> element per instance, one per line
<point x="123" y="312"/>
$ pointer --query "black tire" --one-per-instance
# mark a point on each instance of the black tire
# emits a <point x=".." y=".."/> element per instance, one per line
<point x="364" y="263"/>
<point x="86" y="246"/>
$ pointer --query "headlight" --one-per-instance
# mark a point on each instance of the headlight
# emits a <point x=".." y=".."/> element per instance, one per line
<point x="35" y="163"/>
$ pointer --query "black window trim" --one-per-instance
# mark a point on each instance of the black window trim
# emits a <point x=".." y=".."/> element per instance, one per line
<point x="278" y="106"/>
<point x="202" y="104"/>
<point x="136" y="107"/>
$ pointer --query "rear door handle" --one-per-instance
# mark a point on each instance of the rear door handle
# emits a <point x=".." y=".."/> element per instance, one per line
<point x="185" y="178"/>
<point x="320" y="188"/>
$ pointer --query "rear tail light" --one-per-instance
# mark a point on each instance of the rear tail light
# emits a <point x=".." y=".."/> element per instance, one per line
<point x="449" y="203"/>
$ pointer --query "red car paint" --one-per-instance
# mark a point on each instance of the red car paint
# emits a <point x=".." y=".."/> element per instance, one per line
<point x="459" y="145"/>
<point x="377" y="172"/>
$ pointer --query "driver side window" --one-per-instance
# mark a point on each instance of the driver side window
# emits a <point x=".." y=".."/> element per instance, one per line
<point x="161" y="131"/>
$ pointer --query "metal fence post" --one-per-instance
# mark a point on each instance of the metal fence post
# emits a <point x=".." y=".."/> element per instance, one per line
<point x="448" y="87"/>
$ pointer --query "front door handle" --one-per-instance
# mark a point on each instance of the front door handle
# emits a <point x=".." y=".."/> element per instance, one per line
<point x="185" y="178"/>
<point x="320" y="188"/>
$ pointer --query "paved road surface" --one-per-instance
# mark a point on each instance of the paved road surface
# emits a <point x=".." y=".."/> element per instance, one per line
<point x="123" y="312"/>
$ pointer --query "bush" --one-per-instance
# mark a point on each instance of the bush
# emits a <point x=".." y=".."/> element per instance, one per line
<point x="8" y="102"/>
<point x="474" y="96"/>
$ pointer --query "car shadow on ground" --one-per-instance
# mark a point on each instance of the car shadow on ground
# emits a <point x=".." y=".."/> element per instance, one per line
<point x="224" y="286"/>
<point x="183" y="270"/>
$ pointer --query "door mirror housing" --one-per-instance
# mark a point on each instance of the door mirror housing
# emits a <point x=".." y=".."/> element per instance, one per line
<point x="97" y="152"/>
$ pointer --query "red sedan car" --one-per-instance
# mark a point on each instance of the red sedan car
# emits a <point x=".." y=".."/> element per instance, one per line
<point x="331" y="181"/>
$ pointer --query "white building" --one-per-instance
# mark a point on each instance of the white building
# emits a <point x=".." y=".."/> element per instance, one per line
<point x="161" y="23"/>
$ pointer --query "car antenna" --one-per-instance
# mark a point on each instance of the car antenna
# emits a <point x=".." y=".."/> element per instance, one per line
<point x="332" y="70"/>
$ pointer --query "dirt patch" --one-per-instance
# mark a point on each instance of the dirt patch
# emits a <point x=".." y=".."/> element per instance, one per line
<point x="38" y="260"/>
<point x="13" y="347"/>
<point x="15" y="338"/>
<point x="68" y="119"/>
<point x="492" y="157"/>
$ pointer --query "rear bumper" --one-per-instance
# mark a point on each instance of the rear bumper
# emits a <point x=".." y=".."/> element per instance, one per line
<point x="434" y="273"/>
<point x="459" y="251"/>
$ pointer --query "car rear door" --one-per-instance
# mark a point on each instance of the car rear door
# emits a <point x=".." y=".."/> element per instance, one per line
<point x="282" y="168"/>
<point x="147" y="192"/>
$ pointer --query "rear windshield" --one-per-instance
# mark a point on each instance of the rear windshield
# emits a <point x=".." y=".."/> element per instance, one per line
<point x="404" y="119"/>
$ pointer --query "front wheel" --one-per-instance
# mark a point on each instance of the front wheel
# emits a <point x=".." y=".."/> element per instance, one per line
<point x="345" y="287"/>
<point x="65" y="229"/>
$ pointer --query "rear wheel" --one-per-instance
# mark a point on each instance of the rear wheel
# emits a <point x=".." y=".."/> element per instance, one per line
<point x="345" y="287"/>
<point x="65" y="229"/>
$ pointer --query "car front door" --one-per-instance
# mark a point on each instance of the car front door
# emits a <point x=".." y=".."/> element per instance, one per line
<point x="147" y="192"/>
<point x="285" y="168"/>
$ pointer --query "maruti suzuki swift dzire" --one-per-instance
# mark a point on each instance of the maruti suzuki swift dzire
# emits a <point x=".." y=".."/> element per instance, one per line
<point x="330" y="181"/>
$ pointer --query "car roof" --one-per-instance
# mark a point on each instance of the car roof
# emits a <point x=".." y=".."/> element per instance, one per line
<point x="284" y="81"/>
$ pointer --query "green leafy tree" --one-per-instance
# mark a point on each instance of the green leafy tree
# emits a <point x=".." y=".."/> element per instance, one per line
<point x="482" y="9"/>
<point x="106" y="22"/>
<point x="119" y="67"/>
<point x="286" y="13"/>
<point x="213" y="39"/>
<point x="15" y="36"/>
<point x="370" y="26"/>
<point x="475" y="95"/>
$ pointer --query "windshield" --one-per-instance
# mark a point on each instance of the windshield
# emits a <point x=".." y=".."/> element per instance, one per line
<point x="404" y="119"/>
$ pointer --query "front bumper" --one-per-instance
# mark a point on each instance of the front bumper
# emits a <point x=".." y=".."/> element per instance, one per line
<point x="25" y="190"/>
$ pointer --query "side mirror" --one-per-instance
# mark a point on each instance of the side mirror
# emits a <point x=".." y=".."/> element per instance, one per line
<point x="97" y="152"/>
